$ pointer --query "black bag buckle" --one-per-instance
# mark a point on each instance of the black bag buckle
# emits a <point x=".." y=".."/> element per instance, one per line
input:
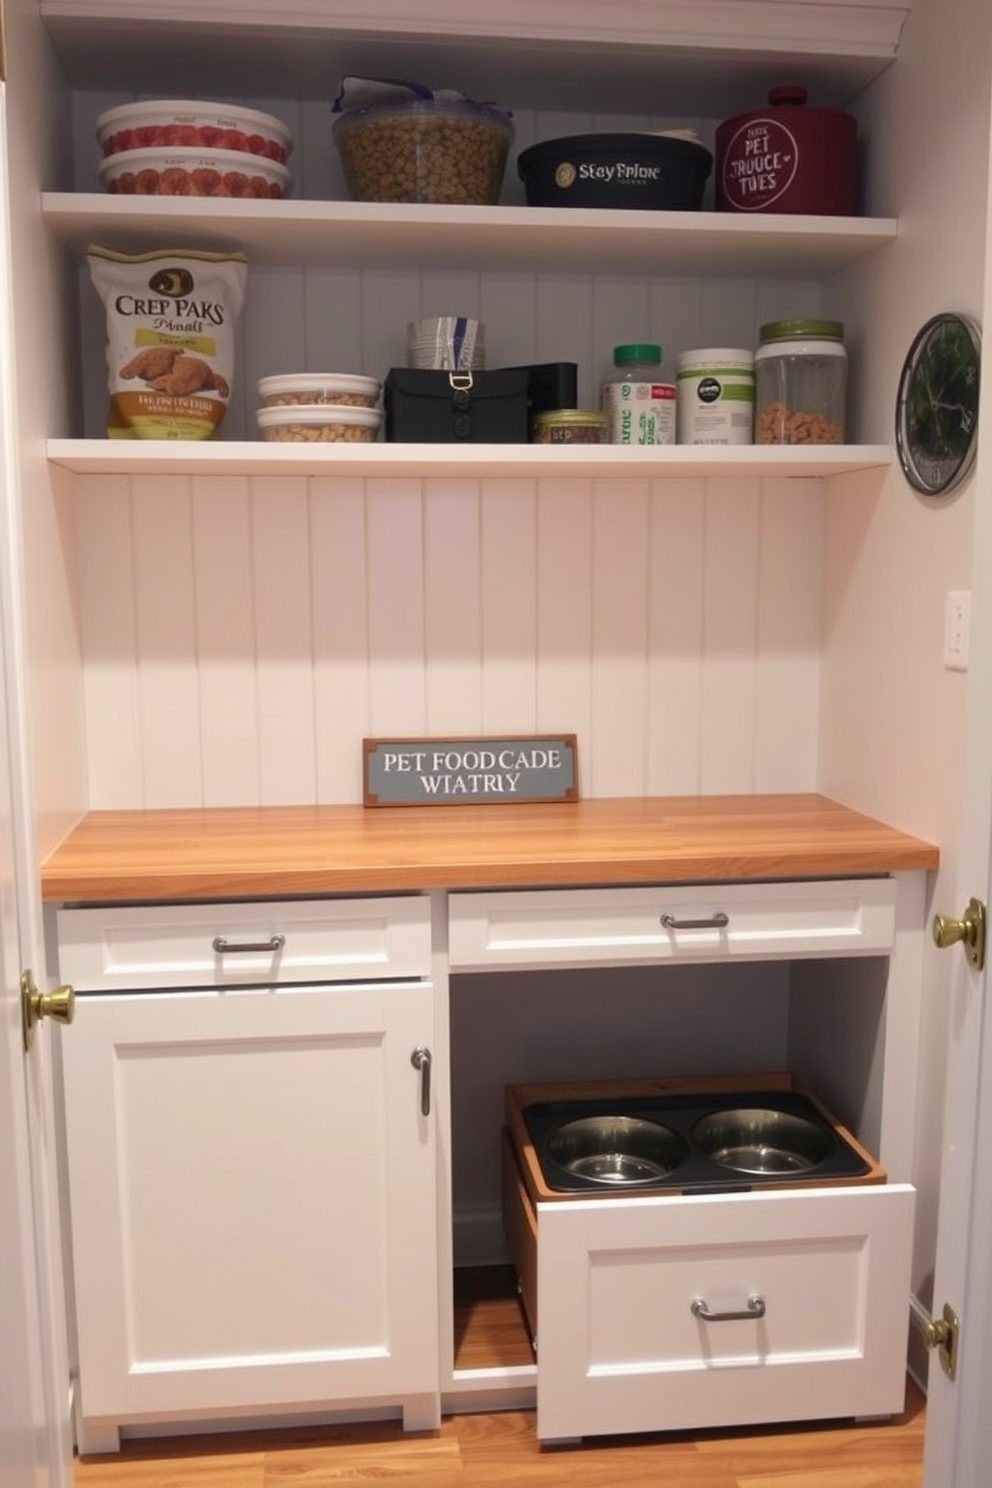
<point x="461" y="404"/>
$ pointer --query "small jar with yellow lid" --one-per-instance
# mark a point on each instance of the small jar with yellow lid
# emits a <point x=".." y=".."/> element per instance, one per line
<point x="570" y="426"/>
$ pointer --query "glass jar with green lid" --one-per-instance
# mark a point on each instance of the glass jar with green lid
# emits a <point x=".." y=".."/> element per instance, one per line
<point x="800" y="371"/>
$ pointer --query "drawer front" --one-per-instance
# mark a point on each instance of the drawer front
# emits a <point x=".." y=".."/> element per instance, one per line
<point x="624" y="1344"/>
<point x="681" y="923"/>
<point x="217" y="945"/>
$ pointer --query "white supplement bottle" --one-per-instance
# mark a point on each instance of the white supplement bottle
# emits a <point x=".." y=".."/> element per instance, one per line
<point x="641" y="407"/>
<point x="715" y="396"/>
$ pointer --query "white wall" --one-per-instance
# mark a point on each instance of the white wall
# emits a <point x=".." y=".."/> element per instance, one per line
<point x="892" y="716"/>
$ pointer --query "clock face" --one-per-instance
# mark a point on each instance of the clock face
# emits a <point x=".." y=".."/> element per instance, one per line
<point x="937" y="407"/>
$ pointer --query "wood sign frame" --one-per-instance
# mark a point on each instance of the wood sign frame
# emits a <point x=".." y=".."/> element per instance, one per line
<point x="463" y="772"/>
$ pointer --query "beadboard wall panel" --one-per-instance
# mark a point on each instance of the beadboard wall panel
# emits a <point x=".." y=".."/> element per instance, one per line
<point x="790" y="555"/>
<point x="342" y="682"/>
<point x="241" y="635"/>
<point x="676" y="562"/>
<point x="508" y="605"/>
<point x="229" y="701"/>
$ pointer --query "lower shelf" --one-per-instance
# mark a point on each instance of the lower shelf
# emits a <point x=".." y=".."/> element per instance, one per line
<point x="490" y="1327"/>
<point x="256" y="457"/>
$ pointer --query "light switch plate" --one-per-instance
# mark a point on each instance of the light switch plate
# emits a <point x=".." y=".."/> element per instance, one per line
<point x="957" y="609"/>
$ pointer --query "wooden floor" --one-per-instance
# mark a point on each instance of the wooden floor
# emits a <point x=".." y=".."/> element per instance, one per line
<point x="502" y="1448"/>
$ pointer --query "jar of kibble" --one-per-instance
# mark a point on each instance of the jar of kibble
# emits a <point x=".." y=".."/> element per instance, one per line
<point x="800" y="370"/>
<point x="570" y="426"/>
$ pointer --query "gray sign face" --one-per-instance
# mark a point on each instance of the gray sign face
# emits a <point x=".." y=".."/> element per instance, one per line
<point x="462" y="772"/>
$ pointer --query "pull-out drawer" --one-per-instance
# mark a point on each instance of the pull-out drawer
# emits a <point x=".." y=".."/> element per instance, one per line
<point x="679" y="923"/>
<point x="129" y="947"/>
<point x="661" y="1314"/>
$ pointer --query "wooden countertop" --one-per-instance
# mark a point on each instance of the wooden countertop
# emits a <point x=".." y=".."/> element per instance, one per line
<point x="226" y="853"/>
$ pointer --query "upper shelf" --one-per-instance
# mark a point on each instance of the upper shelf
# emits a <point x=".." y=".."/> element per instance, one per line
<point x="478" y="461"/>
<point x="554" y="239"/>
<point x="679" y="56"/>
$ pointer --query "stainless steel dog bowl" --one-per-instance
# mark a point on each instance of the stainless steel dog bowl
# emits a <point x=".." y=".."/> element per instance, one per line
<point x="753" y="1140"/>
<point x="616" y="1149"/>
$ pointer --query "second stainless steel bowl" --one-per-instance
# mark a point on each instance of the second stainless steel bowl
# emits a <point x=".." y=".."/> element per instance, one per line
<point x="753" y="1140"/>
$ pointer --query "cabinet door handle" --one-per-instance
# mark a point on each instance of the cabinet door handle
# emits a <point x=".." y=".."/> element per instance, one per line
<point x="421" y="1060"/>
<point x="716" y="921"/>
<point x="755" y="1309"/>
<point x="225" y="947"/>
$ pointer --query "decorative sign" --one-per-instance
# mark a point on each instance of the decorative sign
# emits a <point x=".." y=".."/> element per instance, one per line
<point x="460" y="772"/>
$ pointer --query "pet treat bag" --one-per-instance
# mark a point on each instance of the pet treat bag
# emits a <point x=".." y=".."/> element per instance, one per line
<point x="171" y="317"/>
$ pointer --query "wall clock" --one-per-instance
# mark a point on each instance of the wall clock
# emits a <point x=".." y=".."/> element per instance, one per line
<point x="937" y="404"/>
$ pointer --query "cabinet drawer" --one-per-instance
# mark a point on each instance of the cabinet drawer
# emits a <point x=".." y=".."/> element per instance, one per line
<point x="204" y="945"/>
<point x="620" y="1347"/>
<point x="682" y="923"/>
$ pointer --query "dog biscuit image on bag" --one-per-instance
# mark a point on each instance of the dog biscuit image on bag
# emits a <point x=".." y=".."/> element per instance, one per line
<point x="171" y="318"/>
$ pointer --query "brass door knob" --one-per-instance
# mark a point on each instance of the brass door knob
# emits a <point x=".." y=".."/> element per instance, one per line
<point x="969" y="930"/>
<point x="942" y="1334"/>
<point x="59" y="1004"/>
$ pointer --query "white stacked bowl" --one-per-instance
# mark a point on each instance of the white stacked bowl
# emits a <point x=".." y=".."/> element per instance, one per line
<point x="187" y="123"/>
<point x="454" y="343"/>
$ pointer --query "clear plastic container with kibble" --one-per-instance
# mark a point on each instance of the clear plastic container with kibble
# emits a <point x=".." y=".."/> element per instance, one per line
<point x="349" y="390"/>
<point x="329" y="423"/>
<point x="424" y="150"/>
<point x="800" y="370"/>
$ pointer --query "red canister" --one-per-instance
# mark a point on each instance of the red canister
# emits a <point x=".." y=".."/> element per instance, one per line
<point x="787" y="158"/>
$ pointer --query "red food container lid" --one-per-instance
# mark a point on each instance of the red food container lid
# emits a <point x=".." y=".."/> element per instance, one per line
<point x="787" y="157"/>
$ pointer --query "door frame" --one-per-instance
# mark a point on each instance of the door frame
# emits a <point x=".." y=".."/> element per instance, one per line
<point x="38" y="1352"/>
<point x="958" y="1440"/>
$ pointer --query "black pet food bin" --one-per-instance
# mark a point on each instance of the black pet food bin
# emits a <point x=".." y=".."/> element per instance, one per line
<point x="650" y="172"/>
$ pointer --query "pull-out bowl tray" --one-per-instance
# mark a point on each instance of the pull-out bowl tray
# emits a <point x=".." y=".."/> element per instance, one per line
<point x="719" y="1135"/>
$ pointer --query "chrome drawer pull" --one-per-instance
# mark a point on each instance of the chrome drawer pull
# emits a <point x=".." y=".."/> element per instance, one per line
<point x="755" y="1309"/>
<point x="421" y="1060"/>
<point x="716" y="921"/>
<point x="225" y="947"/>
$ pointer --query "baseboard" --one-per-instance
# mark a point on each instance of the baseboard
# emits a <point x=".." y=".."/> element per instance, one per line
<point x="478" y="1238"/>
<point x="918" y="1355"/>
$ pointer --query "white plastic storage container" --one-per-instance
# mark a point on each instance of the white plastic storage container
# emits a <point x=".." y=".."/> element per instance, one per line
<point x="715" y="403"/>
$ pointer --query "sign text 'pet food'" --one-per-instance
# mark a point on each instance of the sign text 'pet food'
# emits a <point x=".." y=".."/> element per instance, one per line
<point x="461" y="772"/>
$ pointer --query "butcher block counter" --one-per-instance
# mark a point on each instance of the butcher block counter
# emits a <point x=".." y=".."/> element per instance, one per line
<point x="237" y="852"/>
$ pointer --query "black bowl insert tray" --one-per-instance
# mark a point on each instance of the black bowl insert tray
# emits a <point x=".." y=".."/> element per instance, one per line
<point x="701" y="1143"/>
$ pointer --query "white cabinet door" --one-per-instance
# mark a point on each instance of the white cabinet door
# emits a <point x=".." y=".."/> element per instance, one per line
<point x="252" y="1183"/>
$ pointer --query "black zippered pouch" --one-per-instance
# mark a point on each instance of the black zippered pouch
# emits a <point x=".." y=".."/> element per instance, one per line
<point x="425" y="406"/>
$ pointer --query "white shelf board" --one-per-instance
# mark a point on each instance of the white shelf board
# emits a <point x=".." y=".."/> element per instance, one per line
<point x="560" y="239"/>
<point x="694" y="57"/>
<point x="480" y="461"/>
